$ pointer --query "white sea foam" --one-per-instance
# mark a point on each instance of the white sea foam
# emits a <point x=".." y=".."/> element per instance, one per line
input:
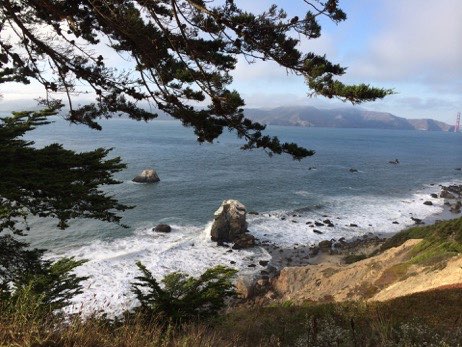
<point x="111" y="265"/>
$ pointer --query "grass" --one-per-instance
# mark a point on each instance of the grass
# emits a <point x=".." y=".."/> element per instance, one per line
<point x="441" y="241"/>
<point x="429" y="318"/>
<point x="393" y="274"/>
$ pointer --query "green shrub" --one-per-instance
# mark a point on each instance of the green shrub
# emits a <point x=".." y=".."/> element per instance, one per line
<point x="184" y="298"/>
<point x="46" y="287"/>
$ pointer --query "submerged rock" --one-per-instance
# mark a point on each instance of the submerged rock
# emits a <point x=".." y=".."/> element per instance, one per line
<point x="230" y="221"/>
<point x="147" y="176"/>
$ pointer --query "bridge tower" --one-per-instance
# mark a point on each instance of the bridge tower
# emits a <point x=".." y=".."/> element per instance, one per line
<point x="457" y="126"/>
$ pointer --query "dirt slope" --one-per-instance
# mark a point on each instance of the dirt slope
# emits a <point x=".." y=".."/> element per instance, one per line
<point x="382" y="277"/>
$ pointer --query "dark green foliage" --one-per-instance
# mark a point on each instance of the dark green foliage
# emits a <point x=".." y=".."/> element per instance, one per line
<point x="46" y="182"/>
<point x="15" y="260"/>
<point x="182" y="298"/>
<point x="25" y="276"/>
<point x="182" y="53"/>
<point x="51" y="287"/>
<point x="51" y="181"/>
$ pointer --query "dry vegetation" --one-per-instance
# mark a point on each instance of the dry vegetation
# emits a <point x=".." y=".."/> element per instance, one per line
<point x="431" y="318"/>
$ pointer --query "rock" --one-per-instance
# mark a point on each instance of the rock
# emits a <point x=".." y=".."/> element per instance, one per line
<point x="245" y="287"/>
<point x="244" y="241"/>
<point x="353" y="225"/>
<point x="433" y="195"/>
<point x="163" y="228"/>
<point x="316" y="231"/>
<point x="254" y="213"/>
<point x="325" y="245"/>
<point x="395" y="222"/>
<point x="353" y="170"/>
<point x="318" y="224"/>
<point x="263" y="262"/>
<point x="229" y="221"/>
<point x="417" y="221"/>
<point x="429" y="203"/>
<point x="446" y="195"/>
<point x="396" y="161"/>
<point x="458" y="169"/>
<point x="147" y="176"/>
<point x="314" y="251"/>
<point x="456" y="207"/>
<point x="251" y="265"/>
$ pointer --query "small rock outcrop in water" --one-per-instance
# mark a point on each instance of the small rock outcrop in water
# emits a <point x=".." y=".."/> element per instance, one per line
<point x="230" y="223"/>
<point x="147" y="176"/>
<point x="163" y="228"/>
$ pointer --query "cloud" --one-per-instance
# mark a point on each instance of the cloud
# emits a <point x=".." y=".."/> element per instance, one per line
<point x="271" y="70"/>
<point x="420" y="41"/>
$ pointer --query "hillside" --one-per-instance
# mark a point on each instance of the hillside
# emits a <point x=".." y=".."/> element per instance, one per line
<point x="415" y="260"/>
<point x="341" y="118"/>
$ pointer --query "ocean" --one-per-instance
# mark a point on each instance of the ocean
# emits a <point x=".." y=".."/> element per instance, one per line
<point x="196" y="178"/>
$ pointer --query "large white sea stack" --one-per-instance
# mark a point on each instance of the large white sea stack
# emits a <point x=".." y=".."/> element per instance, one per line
<point x="229" y="221"/>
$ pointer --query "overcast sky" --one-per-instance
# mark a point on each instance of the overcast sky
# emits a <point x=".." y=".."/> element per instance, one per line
<point x="412" y="46"/>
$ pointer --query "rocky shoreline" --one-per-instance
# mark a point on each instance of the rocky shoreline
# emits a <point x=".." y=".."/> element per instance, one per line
<point x="258" y="289"/>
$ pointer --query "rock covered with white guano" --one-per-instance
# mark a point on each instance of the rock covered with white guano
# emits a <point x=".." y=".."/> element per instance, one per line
<point x="147" y="176"/>
<point x="229" y="221"/>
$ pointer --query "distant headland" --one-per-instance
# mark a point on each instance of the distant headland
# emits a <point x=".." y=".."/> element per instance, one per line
<point x="308" y="116"/>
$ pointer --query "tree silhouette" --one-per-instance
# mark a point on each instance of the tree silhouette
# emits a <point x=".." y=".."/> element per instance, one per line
<point x="179" y="53"/>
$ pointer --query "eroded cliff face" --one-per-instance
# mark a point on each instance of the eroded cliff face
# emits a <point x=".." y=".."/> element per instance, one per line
<point x="382" y="277"/>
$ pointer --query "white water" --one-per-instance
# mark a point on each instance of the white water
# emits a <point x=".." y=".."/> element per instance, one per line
<point x="111" y="265"/>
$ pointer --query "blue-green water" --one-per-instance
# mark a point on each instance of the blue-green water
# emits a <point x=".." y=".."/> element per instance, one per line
<point x="195" y="179"/>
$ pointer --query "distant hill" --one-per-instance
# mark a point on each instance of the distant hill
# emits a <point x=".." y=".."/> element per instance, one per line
<point x="308" y="116"/>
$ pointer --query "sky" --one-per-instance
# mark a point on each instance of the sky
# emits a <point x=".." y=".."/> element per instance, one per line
<point x="411" y="46"/>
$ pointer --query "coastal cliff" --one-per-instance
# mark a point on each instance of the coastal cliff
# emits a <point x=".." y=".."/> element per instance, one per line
<point x="415" y="260"/>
